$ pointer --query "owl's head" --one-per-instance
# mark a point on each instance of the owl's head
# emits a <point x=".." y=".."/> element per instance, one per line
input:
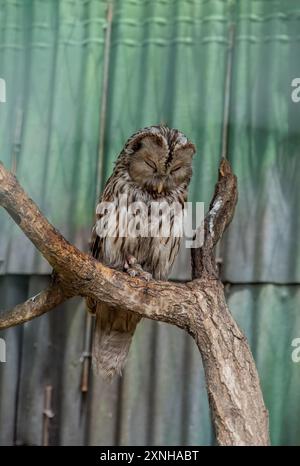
<point x="159" y="159"/>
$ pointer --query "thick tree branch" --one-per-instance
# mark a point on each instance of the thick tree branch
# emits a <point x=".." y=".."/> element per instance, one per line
<point x="199" y="307"/>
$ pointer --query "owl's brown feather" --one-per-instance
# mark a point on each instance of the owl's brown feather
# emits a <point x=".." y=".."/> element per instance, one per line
<point x="155" y="165"/>
<point x="113" y="334"/>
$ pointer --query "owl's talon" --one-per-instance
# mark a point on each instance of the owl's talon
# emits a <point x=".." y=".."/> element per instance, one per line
<point x="135" y="270"/>
<point x="131" y="260"/>
<point x="131" y="271"/>
<point x="145" y="275"/>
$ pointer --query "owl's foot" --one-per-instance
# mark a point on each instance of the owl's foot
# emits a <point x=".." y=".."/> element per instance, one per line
<point x="135" y="270"/>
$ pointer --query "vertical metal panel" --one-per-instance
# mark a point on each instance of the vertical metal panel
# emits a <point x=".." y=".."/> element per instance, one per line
<point x="270" y="316"/>
<point x="73" y="403"/>
<point x="51" y="57"/>
<point x="37" y="352"/>
<point x="51" y="356"/>
<point x="161" y="398"/>
<point x="103" y="414"/>
<point x="12" y="290"/>
<point x="264" y="145"/>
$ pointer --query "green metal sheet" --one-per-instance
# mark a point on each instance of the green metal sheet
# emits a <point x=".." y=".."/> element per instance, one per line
<point x="167" y="64"/>
<point x="163" y="61"/>
<point x="262" y="244"/>
<point x="51" y="57"/>
<point x="270" y="317"/>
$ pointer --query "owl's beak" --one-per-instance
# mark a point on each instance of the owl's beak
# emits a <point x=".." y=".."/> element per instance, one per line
<point x="160" y="187"/>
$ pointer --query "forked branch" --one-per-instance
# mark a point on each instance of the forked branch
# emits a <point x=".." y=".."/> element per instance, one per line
<point x="199" y="307"/>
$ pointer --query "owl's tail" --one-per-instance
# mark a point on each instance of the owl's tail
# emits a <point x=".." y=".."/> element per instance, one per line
<point x="112" y="337"/>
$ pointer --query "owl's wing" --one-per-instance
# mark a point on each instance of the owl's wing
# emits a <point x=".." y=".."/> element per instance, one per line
<point x="96" y="245"/>
<point x="96" y="251"/>
<point x="96" y="241"/>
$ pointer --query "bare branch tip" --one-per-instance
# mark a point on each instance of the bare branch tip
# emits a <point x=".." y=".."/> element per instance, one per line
<point x="225" y="168"/>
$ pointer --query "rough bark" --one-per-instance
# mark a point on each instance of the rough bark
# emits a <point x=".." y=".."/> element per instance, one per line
<point x="238" y="411"/>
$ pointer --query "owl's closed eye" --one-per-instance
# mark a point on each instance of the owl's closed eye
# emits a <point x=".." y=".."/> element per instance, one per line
<point x="161" y="164"/>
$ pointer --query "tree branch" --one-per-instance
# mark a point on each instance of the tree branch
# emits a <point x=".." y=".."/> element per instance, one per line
<point x="199" y="307"/>
<point x="219" y="216"/>
<point x="36" y="306"/>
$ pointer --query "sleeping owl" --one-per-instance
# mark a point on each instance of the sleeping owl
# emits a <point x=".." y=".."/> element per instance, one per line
<point x="155" y="165"/>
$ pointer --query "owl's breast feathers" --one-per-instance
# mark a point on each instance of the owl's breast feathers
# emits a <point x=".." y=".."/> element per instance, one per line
<point x="155" y="254"/>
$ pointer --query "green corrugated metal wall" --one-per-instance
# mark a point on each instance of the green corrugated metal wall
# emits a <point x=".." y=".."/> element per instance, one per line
<point x="167" y="63"/>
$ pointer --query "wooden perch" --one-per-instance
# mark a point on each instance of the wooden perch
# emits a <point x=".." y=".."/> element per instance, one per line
<point x="238" y="411"/>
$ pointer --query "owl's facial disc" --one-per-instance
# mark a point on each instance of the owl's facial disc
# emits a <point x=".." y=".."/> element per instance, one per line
<point x="159" y="168"/>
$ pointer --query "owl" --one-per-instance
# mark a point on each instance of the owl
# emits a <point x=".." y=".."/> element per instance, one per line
<point x="155" y="166"/>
